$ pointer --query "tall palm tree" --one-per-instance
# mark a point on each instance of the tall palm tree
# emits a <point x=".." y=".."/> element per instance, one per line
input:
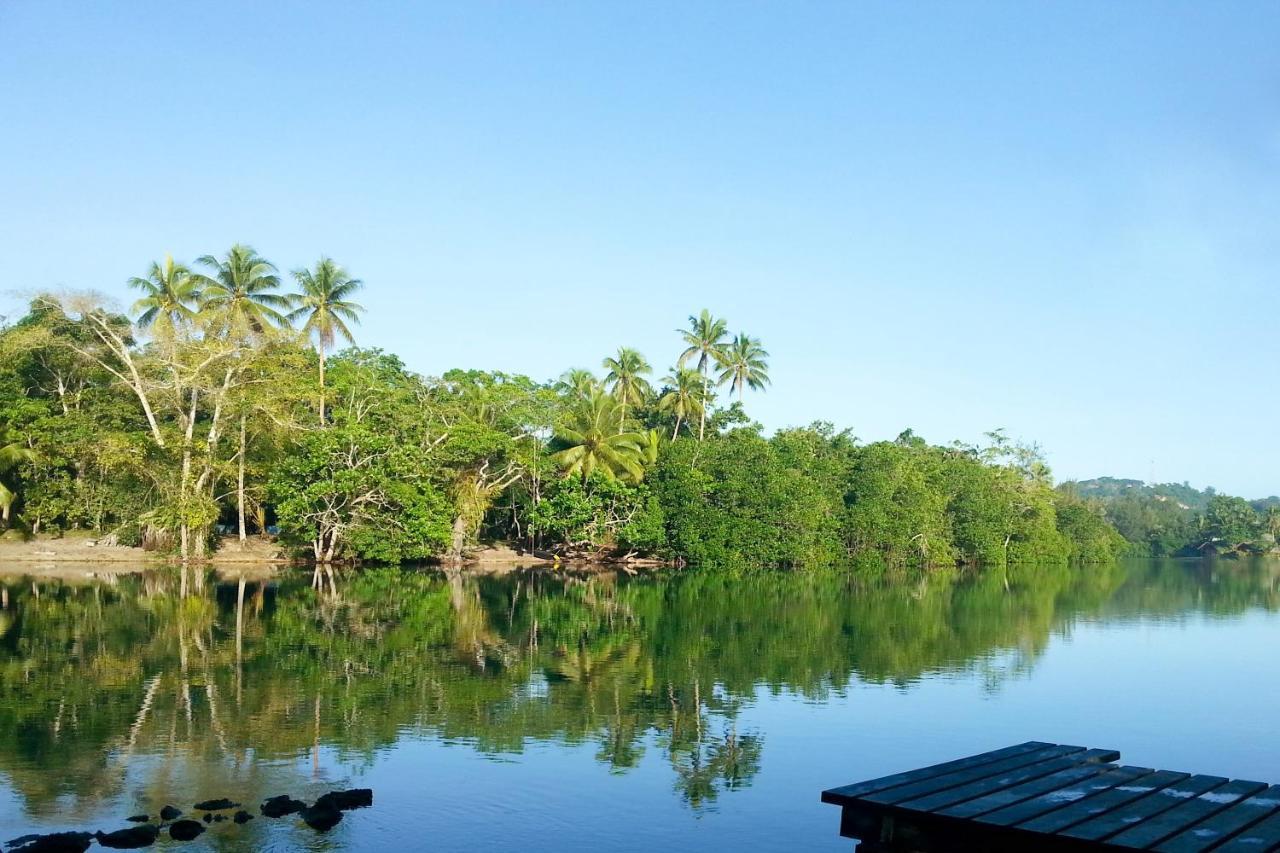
<point x="323" y="302"/>
<point x="170" y="295"/>
<point x="239" y="297"/>
<point x="743" y="365"/>
<point x="683" y="398"/>
<point x="592" y="441"/>
<point x="12" y="453"/>
<point x="705" y="338"/>
<point x="625" y="379"/>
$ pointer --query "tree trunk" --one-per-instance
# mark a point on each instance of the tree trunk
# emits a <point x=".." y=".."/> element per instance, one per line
<point x="702" y="421"/>
<point x="240" y="481"/>
<point x="676" y="431"/>
<point x="458" y="539"/>
<point x="321" y="349"/>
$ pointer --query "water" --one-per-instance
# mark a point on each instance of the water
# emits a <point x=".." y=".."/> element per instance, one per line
<point x="690" y="711"/>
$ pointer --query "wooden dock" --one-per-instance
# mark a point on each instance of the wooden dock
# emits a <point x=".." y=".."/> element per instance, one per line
<point x="1043" y="796"/>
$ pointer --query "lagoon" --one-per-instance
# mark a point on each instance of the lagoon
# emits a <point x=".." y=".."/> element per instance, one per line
<point x="692" y="710"/>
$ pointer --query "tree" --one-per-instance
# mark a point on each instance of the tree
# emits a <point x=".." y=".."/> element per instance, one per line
<point x="742" y="364"/>
<point x="705" y="339"/>
<point x="12" y="453"/>
<point x="683" y="398"/>
<point x="171" y="296"/>
<point x="239" y="298"/>
<point x="578" y="383"/>
<point x="626" y="381"/>
<point x="323" y="302"/>
<point x="592" y="438"/>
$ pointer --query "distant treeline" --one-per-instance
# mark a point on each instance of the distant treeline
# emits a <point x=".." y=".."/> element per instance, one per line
<point x="215" y="407"/>
<point x="1175" y="519"/>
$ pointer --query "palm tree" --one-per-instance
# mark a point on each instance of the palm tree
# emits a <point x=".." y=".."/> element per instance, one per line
<point x="705" y="339"/>
<point x="578" y="382"/>
<point x="323" y="302"/>
<point x="171" y="294"/>
<point x="743" y="365"/>
<point x="12" y="453"/>
<point x="239" y="297"/>
<point x="626" y="379"/>
<point x="684" y="397"/>
<point x="592" y="441"/>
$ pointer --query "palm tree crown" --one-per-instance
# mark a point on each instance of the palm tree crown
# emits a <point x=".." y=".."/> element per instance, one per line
<point x="683" y="398"/>
<point x="626" y="378"/>
<point x="593" y="441"/>
<point x="705" y="338"/>
<point x="323" y="301"/>
<point x="170" y="295"/>
<point x="240" y="294"/>
<point x="578" y="382"/>
<point x="742" y="364"/>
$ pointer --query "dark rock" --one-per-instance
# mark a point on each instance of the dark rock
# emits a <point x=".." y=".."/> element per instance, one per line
<point x="55" y="842"/>
<point x="282" y="805"/>
<point x="138" y="818"/>
<point x="218" y="818"/>
<point x="215" y="805"/>
<point x="321" y="818"/>
<point x="128" y="839"/>
<point x="356" y="798"/>
<point x="242" y="816"/>
<point x="185" y="830"/>
<point x="208" y="818"/>
<point x="170" y="813"/>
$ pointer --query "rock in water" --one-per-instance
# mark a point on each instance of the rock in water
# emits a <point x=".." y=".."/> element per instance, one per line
<point x="215" y="805"/>
<point x="170" y="813"/>
<point x="282" y="805"/>
<point x="242" y="816"/>
<point x="321" y="817"/>
<point x="208" y="818"/>
<point x="138" y="818"/>
<point x="185" y="830"/>
<point x="356" y="798"/>
<point x="128" y="839"/>
<point x="56" y="842"/>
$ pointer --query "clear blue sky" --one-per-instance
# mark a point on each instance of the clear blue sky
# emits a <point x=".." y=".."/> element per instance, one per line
<point x="1058" y="218"/>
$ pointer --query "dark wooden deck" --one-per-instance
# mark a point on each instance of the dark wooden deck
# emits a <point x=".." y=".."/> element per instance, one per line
<point x="1053" y="797"/>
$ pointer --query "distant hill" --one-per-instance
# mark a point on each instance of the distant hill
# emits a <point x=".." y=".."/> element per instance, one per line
<point x="1186" y="496"/>
<point x="1107" y="489"/>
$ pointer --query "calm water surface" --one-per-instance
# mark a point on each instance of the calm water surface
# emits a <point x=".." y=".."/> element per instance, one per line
<point x="695" y="711"/>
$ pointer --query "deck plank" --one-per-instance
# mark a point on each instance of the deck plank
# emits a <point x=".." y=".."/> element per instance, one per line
<point x="1225" y="823"/>
<point x="981" y="787"/>
<point x="848" y="792"/>
<point x="991" y="772"/>
<point x="1190" y="811"/>
<point x="1262" y="837"/>
<point x="1139" y="810"/>
<point x="1065" y="795"/>
<point x="1090" y="807"/>
<point x="1016" y="794"/>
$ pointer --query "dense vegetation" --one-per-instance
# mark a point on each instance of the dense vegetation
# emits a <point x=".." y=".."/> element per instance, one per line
<point x="218" y="406"/>
<point x="1174" y="519"/>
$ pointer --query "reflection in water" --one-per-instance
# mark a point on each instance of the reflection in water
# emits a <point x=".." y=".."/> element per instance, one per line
<point x="127" y="691"/>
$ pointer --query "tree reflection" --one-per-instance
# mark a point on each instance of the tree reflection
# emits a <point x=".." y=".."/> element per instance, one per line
<point x="128" y="679"/>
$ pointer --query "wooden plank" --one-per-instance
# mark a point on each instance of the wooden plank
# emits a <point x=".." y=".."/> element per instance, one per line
<point x="1089" y="807"/>
<point x="980" y="787"/>
<point x="1225" y="823"/>
<point x="848" y="792"/>
<point x="1016" y="794"/>
<point x="1187" y="813"/>
<point x="1139" y="810"/>
<point x="1262" y="837"/>
<point x="1062" y="796"/>
<point x="991" y="771"/>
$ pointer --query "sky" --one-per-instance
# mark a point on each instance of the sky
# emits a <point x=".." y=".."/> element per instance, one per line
<point x="1058" y="219"/>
